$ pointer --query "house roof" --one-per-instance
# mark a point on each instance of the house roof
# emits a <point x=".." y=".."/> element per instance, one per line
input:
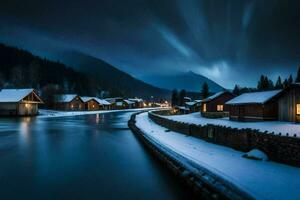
<point x="187" y="98"/>
<point x="192" y="103"/>
<point x="113" y="100"/>
<point x="15" y="95"/>
<point x="128" y="101"/>
<point x="86" y="99"/>
<point x="214" y="96"/>
<point x="254" y="97"/>
<point x="102" y="101"/>
<point x="65" y="98"/>
<point x="136" y="100"/>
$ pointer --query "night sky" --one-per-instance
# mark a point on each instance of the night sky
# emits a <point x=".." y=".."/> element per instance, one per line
<point x="229" y="41"/>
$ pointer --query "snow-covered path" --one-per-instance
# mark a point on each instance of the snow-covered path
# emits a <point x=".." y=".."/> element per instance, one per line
<point x="263" y="180"/>
<point x="271" y="126"/>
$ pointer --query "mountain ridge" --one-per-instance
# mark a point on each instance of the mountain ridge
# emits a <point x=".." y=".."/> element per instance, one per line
<point x="189" y="81"/>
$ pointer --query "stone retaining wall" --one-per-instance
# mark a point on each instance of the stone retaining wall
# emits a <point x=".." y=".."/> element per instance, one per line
<point x="204" y="184"/>
<point x="279" y="148"/>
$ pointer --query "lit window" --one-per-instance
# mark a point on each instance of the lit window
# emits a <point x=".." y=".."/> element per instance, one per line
<point x="298" y="109"/>
<point x="72" y="106"/>
<point x="204" y="107"/>
<point x="220" y="108"/>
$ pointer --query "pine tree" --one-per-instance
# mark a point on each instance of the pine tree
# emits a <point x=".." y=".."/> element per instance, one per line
<point x="236" y="90"/>
<point x="260" y="84"/>
<point x="285" y="83"/>
<point x="290" y="80"/>
<point x="298" y="76"/>
<point x="279" y="83"/>
<point x="205" y="90"/>
<point x="182" y="94"/>
<point x="174" y="97"/>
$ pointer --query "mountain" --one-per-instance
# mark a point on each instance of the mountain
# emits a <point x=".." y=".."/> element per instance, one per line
<point x="87" y="76"/>
<point x="189" y="81"/>
<point x="110" y="78"/>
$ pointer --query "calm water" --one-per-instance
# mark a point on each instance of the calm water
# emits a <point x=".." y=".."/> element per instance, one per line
<point x="83" y="157"/>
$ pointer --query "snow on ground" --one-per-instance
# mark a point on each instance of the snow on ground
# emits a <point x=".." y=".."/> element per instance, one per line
<point x="261" y="179"/>
<point x="271" y="126"/>
<point x="54" y="113"/>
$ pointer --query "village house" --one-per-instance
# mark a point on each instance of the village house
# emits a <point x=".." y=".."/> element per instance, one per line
<point x="103" y="104"/>
<point x="138" y="103"/>
<point x="193" y="106"/>
<point x="214" y="106"/>
<point x="90" y="103"/>
<point x="116" y="102"/>
<point x="70" y="102"/>
<point x="289" y="104"/>
<point x="19" y="102"/>
<point x="255" y="106"/>
<point x="128" y="104"/>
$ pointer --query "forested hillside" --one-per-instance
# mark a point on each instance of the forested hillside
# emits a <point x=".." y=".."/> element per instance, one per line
<point x="19" y="69"/>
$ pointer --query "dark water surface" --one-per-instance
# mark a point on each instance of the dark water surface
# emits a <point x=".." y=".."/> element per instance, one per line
<point x="83" y="157"/>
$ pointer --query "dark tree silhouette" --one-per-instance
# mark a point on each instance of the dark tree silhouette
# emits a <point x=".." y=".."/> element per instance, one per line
<point x="182" y="94"/>
<point x="174" y="98"/>
<point x="298" y="76"/>
<point x="205" y="90"/>
<point x="278" y="84"/>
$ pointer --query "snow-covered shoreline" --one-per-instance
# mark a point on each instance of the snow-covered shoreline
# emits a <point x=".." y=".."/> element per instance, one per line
<point x="54" y="113"/>
<point x="269" y="126"/>
<point x="263" y="180"/>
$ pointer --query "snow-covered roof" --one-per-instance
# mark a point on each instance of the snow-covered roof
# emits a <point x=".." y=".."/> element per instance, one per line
<point x="102" y="101"/>
<point x="136" y="100"/>
<point x="187" y="98"/>
<point x="190" y="103"/>
<point x="128" y="102"/>
<point x="182" y="108"/>
<point x="65" y="98"/>
<point x="86" y="99"/>
<point x="214" y="96"/>
<point x="14" y="95"/>
<point x="198" y="101"/>
<point x="113" y="100"/>
<point x="254" y="97"/>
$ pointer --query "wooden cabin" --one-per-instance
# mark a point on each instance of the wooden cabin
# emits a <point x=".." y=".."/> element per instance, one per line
<point x="90" y="103"/>
<point x="69" y="102"/>
<point x="19" y="102"/>
<point x="289" y="104"/>
<point x="214" y="106"/>
<point x="193" y="106"/>
<point x="255" y="106"/>
<point x="103" y="104"/>
<point x="138" y="103"/>
<point x="128" y="104"/>
<point x="116" y="102"/>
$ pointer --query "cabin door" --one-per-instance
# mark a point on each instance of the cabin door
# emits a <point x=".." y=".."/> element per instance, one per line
<point x="241" y="113"/>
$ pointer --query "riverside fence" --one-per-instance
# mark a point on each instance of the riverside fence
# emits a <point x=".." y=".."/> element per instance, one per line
<point x="279" y="148"/>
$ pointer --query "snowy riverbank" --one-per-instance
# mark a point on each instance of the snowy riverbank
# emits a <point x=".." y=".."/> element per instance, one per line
<point x="54" y="113"/>
<point x="271" y="126"/>
<point x="261" y="179"/>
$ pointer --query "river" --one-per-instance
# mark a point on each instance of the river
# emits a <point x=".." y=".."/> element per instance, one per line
<point x="82" y="157"/>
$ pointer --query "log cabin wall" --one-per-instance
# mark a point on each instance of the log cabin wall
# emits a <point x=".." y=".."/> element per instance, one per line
<point x="287" y="105"/>
<point x="25" y="109"/>
<point x="211" y="106"/>
<point x="8" y="108"/>
<point x="254" y="112"/>
<point x="92" y="105"/>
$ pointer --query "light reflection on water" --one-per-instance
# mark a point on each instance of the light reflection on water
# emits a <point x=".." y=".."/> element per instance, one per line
<point x="82" y="157"/>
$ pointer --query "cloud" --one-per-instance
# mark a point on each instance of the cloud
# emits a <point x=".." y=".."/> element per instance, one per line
<point x="174" y="41"/>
